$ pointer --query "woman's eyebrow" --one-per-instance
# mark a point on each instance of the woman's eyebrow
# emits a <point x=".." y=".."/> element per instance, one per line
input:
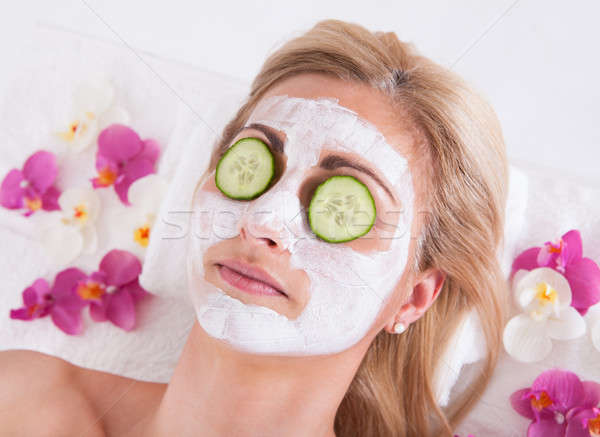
<point x="270" y="133"/>
<point x="331" y="162"/>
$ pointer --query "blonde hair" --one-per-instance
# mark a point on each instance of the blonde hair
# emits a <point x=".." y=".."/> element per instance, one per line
<point x="466" y="174"/>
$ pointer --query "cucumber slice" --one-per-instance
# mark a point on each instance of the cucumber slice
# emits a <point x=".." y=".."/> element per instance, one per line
<point x="245" y="169"/>
<point x="341" y="209"/>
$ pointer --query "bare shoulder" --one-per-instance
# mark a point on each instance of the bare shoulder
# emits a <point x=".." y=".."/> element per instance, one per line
<point x="43" y="395"/>
<point x="38" y="396"/>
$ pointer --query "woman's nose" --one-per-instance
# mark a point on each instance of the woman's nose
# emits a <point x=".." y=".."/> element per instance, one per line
<point x="261" y="236"/>
<point x="267" y="220"/>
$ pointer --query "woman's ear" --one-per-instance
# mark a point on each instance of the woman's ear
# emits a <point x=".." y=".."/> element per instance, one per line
<point x="426" y="288"/>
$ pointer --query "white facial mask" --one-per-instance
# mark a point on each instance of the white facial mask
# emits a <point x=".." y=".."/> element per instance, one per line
<point x="347" y="288"/>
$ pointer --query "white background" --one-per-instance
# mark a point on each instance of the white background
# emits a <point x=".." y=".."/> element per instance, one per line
<point x="535" y="60"/>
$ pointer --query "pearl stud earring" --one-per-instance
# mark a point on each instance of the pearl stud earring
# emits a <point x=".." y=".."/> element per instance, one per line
<point x="399" y="328"/>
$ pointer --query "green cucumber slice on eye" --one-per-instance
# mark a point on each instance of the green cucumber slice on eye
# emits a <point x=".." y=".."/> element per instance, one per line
<point x="245" y="169"/>
<point x="341" y="209"/>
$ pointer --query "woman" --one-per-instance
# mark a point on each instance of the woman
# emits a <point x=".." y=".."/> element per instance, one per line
<point x="338" y="334"/>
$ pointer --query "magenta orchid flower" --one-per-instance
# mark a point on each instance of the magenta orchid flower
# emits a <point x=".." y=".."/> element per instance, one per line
<point x="32" y="187"/>
<point x="559" y="404"/>
<point x="113" y="290"/>
<point x="111" y="294"/>
<point x="122" y="158"/>
<point x="565" y="256"/>
<point x="61" y="302"/>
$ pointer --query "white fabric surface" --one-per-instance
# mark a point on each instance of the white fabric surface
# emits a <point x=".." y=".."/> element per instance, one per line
<point x="168" y="102"/>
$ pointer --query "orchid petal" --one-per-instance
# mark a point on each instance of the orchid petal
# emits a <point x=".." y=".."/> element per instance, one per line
<point x="584" y="278"/>
<point x="11" y="192"/>
<point x="121" y="310"/>
<point x="68" y="321"/>
<point x="66" y="281"/>
<point x="136" y="291"/>
<point x="135" y="169"/>
<point x="70" y="198"/>
<point x="40" y="170"/>
<point x="521" y="404"/>
<point x="564" y="388"/>
<point x="545" y="257"/>
<point x="546" y="428"/>
<point x="30" y="297"/>
<point x="21" y="314"/>
<point x="72" y="304"/>
<point x="518" y="275"/>
<point x="147" y="192"/>
<point x="526" y="260"/>
<point x="98" y="310"/>
<point x="573" y="247"/>
<point x="119" y="143"/>
<point x="592" y="394"/>
<point x="99" y="277"/>
<point x="41" y="287"/>
<point x="151" y="150"/>
<point x="50" y="199"/>
<point x="525" y="296"/>
<point x="138" y="167"/>
<point x="120" y="267"/>
<point x="568" y="326"/>
<point x="525" y="339"/>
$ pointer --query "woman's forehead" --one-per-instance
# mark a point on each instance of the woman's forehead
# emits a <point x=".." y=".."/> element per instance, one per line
<point x="323" y="122"/>
<point x="368" y="103"/>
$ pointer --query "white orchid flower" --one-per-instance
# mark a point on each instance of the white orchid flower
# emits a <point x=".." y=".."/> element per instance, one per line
<point x="92" y="110"/>
<point x="74" y="229"/>
<point x="544" y="296"/>
<point x="136" y="221"/>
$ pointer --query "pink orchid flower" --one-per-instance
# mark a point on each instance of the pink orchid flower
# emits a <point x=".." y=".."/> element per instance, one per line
<point x="60" y="302"/>
<point x="559" y="404"/>
<point x="122" y="158"/>
<point x="113" y="290"/>
<point x="565" y="256"/>
<point x="32" y="187"/>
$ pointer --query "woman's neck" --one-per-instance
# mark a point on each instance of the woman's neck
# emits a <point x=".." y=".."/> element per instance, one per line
<point x="217" y="391"/>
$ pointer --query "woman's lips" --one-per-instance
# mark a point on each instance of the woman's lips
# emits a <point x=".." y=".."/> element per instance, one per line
<point x="249" y="279"/>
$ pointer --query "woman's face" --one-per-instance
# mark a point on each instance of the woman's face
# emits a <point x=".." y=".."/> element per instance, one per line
<point x="327" y="296"/>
